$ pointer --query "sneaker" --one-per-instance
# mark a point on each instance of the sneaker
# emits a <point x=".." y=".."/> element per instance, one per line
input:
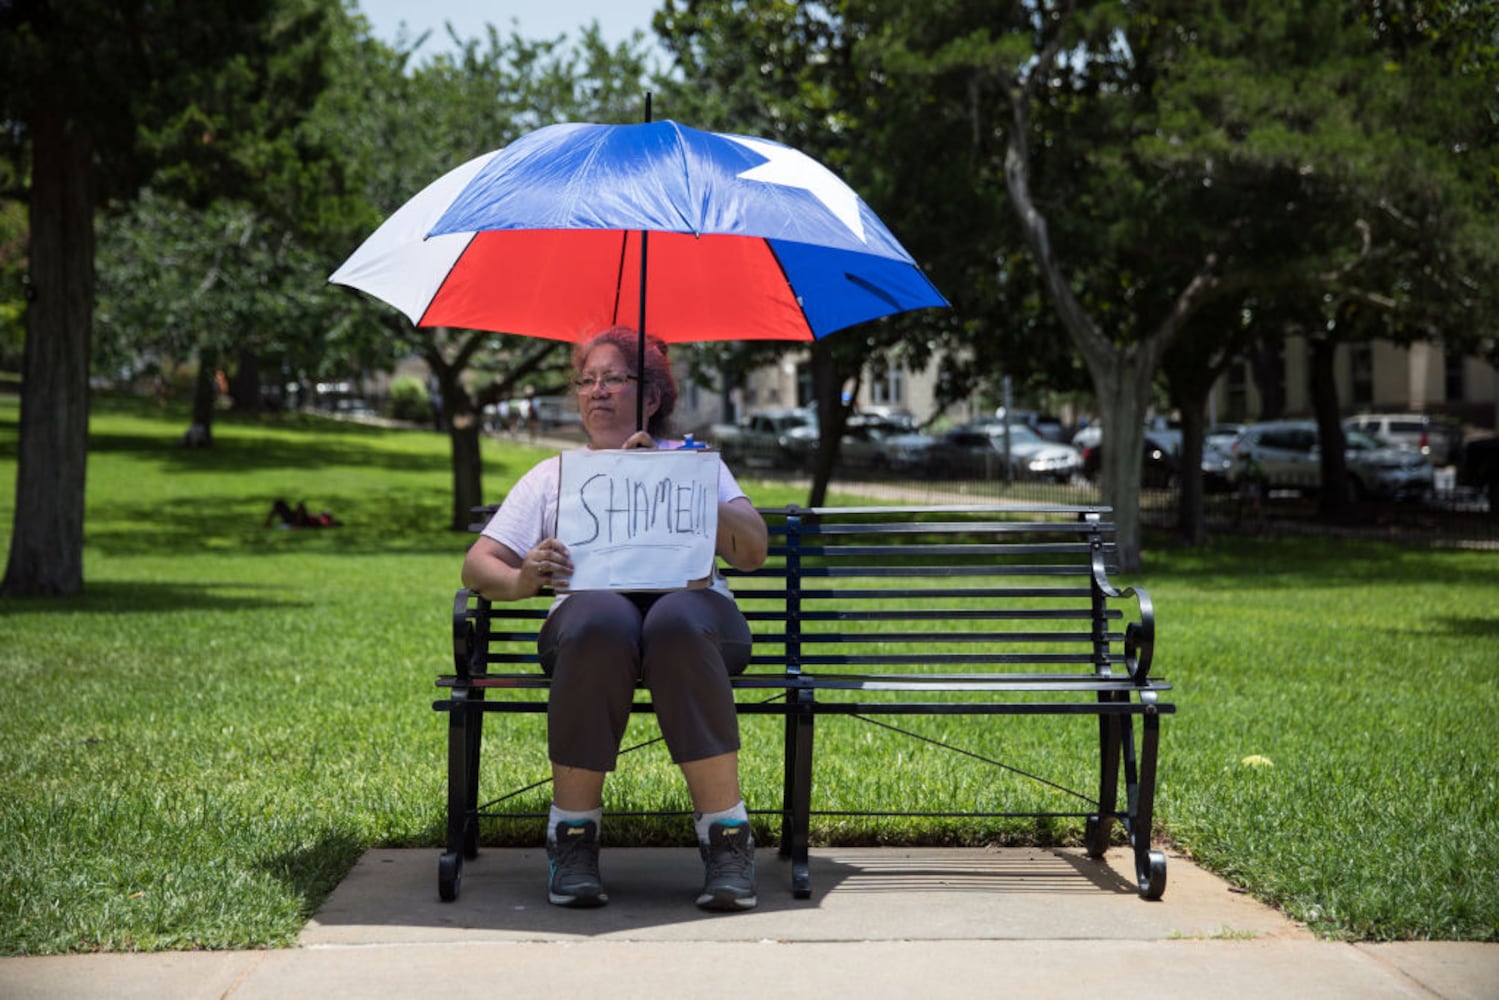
<point x="728" y="868"/>
<point x="574" y="856"/>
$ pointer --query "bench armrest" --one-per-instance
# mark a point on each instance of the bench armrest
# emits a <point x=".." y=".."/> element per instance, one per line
<point x="1139" y="636"/>
<point x="463" y="634"/>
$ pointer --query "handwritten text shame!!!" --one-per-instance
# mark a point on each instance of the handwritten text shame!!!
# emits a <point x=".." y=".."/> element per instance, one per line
<point x="617" y="509"/>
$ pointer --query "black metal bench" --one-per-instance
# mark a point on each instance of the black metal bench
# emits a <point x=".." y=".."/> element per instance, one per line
<point x="879" y="611"/>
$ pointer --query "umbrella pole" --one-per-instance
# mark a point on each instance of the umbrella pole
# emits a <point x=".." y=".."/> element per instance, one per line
<point x="640" y="354"/>
<point x="640" y="326"/>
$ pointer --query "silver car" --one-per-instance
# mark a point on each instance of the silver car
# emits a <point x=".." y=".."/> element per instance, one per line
<point x="1031" y="455"/>
<point x="870" y="442"/>
<point x="1284" y="454"/>
<point x="1437" y="440"/>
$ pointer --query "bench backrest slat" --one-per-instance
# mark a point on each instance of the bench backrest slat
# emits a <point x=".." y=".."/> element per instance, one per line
<point x="885" y="588"/>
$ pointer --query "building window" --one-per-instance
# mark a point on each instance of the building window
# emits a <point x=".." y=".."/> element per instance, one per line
<point x="1361" y="374"/>
<point x="806" y="392"/>
<point x="889" y="389"/>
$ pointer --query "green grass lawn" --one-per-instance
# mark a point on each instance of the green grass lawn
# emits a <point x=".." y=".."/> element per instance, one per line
<point x="200" y="746"/>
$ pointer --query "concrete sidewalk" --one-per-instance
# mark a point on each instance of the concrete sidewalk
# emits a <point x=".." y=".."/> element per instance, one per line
<point x="883" y="922"/>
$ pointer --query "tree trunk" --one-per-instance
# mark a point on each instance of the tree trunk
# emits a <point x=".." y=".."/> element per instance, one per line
<point x="1332" y="498"/>
<point x="460" y="418"/>
<point x="468" y="478"/>
<point x="465" y="428"/>
<point x="1121" y="401"/>
<point x="244" y="387"/>
<point x="1122" y="374"/>
<point x="205" y="391"/>
<point x="827" y="390"/>
<point x="46" y="547"/>
<point x="1189" y="515"/>
<point x="727" y="383"/>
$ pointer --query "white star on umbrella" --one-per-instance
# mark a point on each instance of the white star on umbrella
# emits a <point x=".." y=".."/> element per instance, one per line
<point x="793" y="168"/>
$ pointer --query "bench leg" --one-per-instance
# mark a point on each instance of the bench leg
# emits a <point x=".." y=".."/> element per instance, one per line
<point x="788" y="781"/>
<point x="797" y="804"/>
<point x="462" y="785"/>
<point x="1099" y="824"/>
<point x="474" y="733"/>
<point x="1150" y="866"/>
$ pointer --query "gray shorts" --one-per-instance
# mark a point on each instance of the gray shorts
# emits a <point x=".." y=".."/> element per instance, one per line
<point x="683" y="646"/>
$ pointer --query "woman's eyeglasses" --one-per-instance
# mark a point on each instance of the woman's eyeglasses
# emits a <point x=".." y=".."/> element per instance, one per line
<point x="611" y="382"/>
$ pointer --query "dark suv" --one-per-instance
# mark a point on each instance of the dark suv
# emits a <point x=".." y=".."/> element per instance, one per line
<point x="1479" y="469"/>
<point x="1284" y="454"/>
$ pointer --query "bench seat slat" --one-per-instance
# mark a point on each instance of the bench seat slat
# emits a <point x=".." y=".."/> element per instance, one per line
<point x="940" y="572"/>
<point x="921" y="659"/>
<point x="935" y="614"/>
<point x="891" y="659"/>
<point x="827" y="528"/>
<point x="1114" y="708"/>
<point x="967" y="550"/>
<point x="936" y="638"/>
<point x="1029" y="683"/>
<point x="911" y="594"/>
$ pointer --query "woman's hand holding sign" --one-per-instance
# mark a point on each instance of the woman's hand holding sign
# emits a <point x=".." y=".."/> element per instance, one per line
<point x="547" y="565"/>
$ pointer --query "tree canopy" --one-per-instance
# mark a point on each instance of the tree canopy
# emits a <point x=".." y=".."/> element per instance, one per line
<point x="98" y="97"/>
<point x="1112" y="169"/>
<point x="1111" y="193"/>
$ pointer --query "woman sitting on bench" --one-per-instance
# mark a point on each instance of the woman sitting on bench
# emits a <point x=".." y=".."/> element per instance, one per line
<point x="596" y="646"/>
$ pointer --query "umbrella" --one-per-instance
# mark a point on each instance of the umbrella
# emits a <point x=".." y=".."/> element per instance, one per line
<point x="577" y="227"/>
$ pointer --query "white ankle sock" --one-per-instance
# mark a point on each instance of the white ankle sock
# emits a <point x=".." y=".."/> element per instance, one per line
<point x="555" y="816"/>
<point x="735" y="813"/>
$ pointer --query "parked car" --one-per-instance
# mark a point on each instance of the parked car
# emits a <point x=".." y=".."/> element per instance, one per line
<point x="909" y="452"/>
<point x="977" y="451"/>
<point x="965" y="453"/>
<point x="889" y="414"/>
<point x="1161" y="462"/>
<point x="1221" y="436"/>
<point x="1478" y="468"/>
<point x="759" y="438"/>
<point x="1044" y="424"/>
<point x="1217" y="468"/>
<point x="870" y="442"/>
<point x="553" y="412"/>
<point x="1439" y="440"/>
<point x="1087" y="436"/>
<point x="1285" y="454"/>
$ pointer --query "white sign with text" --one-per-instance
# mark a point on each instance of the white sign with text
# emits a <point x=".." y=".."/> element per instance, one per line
<point x="639" y="519"/>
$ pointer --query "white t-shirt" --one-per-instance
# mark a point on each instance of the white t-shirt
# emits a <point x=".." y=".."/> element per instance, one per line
<point x="529" y="513"/>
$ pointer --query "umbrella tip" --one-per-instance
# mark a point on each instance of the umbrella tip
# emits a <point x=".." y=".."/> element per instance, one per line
<point x="647" y="107"/>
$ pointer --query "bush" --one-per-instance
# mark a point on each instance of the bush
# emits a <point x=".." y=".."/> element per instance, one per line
<point x="409" y="400"/>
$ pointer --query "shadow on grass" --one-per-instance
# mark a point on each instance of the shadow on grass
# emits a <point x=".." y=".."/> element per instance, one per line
<point x="1278" y="563"/>
<point x="384" y="523"/>
<point x="238" y="453"/>
<point x="134" y="596"/>
<point x="1474" y="626"/>
<point x="312" y="871"/>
